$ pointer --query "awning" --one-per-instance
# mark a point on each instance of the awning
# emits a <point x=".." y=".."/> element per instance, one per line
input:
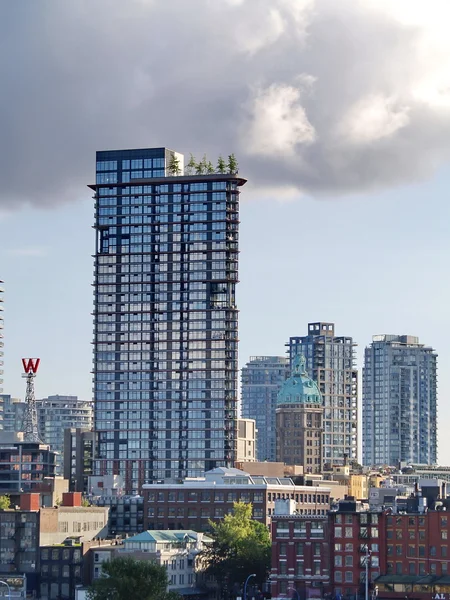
<point x="189" y="591"/>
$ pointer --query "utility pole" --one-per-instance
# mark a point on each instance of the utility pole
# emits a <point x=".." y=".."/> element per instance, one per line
<point x="367" y="571"/>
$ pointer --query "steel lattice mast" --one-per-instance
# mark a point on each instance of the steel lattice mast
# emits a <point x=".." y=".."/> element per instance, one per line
<point x="30" y="421"/>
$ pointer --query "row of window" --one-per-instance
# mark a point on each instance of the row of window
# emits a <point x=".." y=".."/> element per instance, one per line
<point x="203" y="513"/>
<point x="164" y="188"/>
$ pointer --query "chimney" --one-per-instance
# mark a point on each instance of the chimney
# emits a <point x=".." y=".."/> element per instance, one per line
<point x="30" y="501"/>
<point x="71" y="499"/>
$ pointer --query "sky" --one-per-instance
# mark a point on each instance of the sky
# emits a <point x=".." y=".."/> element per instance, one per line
<point x="339" y="115"/>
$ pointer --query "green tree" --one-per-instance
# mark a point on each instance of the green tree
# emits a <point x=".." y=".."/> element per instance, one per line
<point x="202" y="166"/>
<point x="240" y="546"/>
<point x="130" y="579"/>
<point x="210" y="168"/>
<point x="233" y="166"/>
<point x="191" y="167"/>
<point x="5" y="502"/>
<point x="174" y="165"/>
<point x="221" y="165"/>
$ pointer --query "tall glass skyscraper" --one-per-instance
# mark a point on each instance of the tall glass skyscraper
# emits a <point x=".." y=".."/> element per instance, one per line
<point x="330" y="360"/>
<point x="399" y="402"/>
<point x="262" y="378"/>
<point x="165" y="318"/>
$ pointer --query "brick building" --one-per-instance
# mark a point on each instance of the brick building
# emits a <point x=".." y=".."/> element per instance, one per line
<point x="300" y="555"/>
<point x="355" y="534"/>
<point x="190" y="505"/>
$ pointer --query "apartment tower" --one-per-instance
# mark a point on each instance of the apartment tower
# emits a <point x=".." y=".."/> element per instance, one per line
<point x="261" y="380"/>
<point x="165" y="316"/>
<point x="330" y="360"/>
<point x="399" y="409"/>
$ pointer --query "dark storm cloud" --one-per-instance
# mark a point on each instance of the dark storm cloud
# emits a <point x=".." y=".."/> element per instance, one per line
<point x="327" y="97"/>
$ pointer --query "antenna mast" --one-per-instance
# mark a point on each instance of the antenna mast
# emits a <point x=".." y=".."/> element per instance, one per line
<point x="30" y="421"/>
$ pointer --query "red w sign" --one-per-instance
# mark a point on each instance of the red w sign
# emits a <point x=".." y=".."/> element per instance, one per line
<point x="31" y="364"/>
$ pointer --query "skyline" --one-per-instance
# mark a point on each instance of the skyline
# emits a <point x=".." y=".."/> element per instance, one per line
<point x="345" y="216"/>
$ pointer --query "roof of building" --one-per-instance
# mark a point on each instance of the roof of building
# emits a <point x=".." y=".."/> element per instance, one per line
<point x="299" y="388"/>
<point x="176" y="536"/>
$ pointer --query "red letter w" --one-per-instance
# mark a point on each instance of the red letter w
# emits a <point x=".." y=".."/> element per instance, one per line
<point x="31" y="364"/>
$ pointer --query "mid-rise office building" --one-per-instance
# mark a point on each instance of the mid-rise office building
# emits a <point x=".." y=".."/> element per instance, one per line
<point x="78" y="458"/>
<point x="261" y="379"/>
<point x="330" y="360"/>
<point x="399" y="402"/>
<point x="165" y="317"/>
<point x="58" y="413"/>
<point x="13" y="410"/>
<point x="299" y="421"/>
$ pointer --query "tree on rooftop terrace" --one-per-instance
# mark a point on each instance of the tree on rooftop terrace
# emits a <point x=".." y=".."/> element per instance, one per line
<point x="131" y="579"/>
<point x="174" y="165"/>
<point x="240" y="546"/>
<point x="191" y="167"/>
<point x="221" y="165"/>
<point x="233" y="166"/>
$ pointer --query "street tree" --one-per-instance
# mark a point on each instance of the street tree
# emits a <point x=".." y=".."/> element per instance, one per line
<point x="127" y="578"/>
<point x="240" y="546"/>
<point x="5" y="502"/>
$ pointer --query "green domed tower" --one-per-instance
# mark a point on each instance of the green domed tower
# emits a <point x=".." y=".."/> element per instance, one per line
<point x="299" y="420"/>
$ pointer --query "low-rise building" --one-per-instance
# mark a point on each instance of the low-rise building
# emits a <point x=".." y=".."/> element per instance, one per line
<point x="300" y="553"/>
<point x="126" y="513"/>
<point x="192" y="503"/>
<point x="24" y="530"/>
<point x="175" y="550"/>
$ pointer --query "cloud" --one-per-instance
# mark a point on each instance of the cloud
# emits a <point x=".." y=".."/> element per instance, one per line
<point x="323" y="97"/>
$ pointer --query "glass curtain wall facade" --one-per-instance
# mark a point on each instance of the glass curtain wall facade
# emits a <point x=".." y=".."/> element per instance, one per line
<point x="1" y="336"/>
<point x="165" y="318"/>
<point x="330" y="360"/>
<point x="399" y="402"/>
<point x="261" y="380"/>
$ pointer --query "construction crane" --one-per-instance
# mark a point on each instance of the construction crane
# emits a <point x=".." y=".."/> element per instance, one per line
<point x="30" y="421"/>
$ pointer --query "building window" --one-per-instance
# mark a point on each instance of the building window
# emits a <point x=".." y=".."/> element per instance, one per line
<point x="338" y="576"/>
<point x="282" y="567"/>
<point x="338" y="532"/>
<point x="283" y="549"/>
<point x="300" y="568"/>
<point x="66" y="571"/>
<point x="348" y="576"/>
<point x="300" y="548"/>
<point x="412" y="568"/>
<point x="338" y="560"/>
<point x="349" y="560"/>
<point x="444" y="534"/>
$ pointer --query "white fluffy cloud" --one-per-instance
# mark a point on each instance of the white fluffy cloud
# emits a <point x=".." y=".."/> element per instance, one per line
<point x="321" y="96"/>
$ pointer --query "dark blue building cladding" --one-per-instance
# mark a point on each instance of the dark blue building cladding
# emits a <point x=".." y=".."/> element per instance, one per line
<point x="165" y="318"/>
